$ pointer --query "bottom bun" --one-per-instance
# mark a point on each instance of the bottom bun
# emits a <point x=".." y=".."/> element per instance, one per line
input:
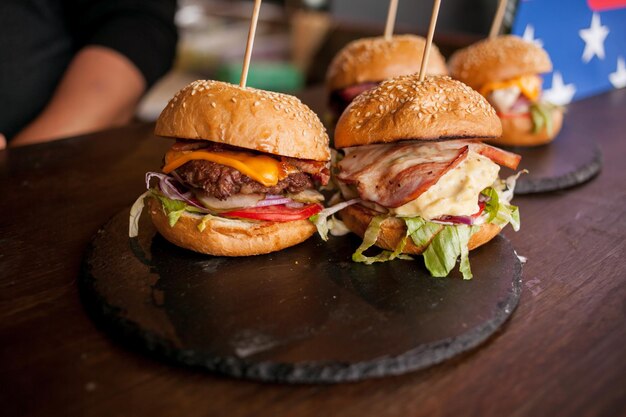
<point x="393" y="229"/>
<point x="518" y="131"/>
<point x="226" y="237"/>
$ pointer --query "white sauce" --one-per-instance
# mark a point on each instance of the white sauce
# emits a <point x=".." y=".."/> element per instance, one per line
<point x="504" y="98"/>
<point x="456" y="192"/>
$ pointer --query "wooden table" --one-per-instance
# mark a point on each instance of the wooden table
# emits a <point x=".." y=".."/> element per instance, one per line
<point x="563" y="352"/>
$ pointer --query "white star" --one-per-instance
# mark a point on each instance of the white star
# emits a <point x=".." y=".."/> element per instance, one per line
<point x="529" y="36"/>
<point x="618" y="78"/>
<point x="560" y="93"/>
<point x="594" y="39"/>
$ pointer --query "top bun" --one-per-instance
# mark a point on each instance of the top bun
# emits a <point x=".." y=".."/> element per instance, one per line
<point x="248" y="118"/>
<point x="405" y="108"/>
<point x="498" y="59"/>
<point x="378" y="59"/>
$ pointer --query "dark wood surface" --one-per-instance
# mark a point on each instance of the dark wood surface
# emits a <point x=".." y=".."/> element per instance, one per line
<point x="562" y="353"/>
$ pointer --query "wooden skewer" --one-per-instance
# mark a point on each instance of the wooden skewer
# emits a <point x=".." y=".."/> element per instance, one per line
<point x="250" y="44"/>
<point x="429" y="38"/>
<point x="391" y="18"/>
<point x="497" y="19"/>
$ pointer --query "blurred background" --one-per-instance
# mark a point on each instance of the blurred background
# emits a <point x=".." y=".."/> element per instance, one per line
<point x="296" y="39"/>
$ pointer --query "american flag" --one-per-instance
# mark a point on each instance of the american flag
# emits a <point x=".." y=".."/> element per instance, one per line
<point x="586" y="40"/>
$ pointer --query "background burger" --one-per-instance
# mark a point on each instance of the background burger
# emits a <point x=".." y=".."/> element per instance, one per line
<point x="240" y="178"/>
<point x="364" y="63"/>
<point x="416" y="177"/>
<point x="505" y="70"/>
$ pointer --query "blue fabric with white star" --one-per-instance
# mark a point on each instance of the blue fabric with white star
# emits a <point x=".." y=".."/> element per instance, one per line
<point x="587" y="47"/>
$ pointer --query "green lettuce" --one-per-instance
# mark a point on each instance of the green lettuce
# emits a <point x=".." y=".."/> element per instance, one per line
<point x="173" y="209"/>
<point x="498" y="211"/>
<point x="325" y="221"/>
<point x="541" y="115"/>
<point x="421" y="231"/>
<point x="135" y="214"/>
<point x="446" y="247"/>
<point x="205" y="219"/>
<point x="369" y="239"/>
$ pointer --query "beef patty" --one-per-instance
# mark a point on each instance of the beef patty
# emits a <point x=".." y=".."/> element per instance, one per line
<point x="221" y="181"/>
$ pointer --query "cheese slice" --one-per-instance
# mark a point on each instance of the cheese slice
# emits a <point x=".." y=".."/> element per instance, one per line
<point x="529" y="85"/>
<point x="263" y="169"/>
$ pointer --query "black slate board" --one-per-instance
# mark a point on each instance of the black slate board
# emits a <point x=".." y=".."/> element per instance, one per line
<point x="307" y="314"/>
<point x="570" y="159"/>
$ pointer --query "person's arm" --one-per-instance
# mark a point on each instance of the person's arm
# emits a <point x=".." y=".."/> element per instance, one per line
<point x="125" y="46"/>
<point x="99" y="89"/>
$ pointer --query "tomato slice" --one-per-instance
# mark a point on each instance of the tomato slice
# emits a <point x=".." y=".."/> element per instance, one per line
<point x="481" y="208"/>
<point x="279" y="213"/>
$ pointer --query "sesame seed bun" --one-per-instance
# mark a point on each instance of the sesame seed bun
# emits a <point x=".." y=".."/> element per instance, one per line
<point x="393" y="229"/>
<point x="405" y="108"/>
<point x="248" y="118"/>
<point x="378" y="59"/>
<point x="498" y="59"/>
<point x="518" y="131"/>
<point x="225" y="237"/>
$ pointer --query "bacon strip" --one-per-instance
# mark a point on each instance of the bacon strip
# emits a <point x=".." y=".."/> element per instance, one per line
<point x="506" y="159"/>
<point x="319" y="169"/>
<point x="393" y="175"/>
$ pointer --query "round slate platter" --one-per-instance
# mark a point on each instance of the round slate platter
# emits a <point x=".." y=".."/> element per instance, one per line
<point x="307" y="314"/>
<point x="571" y="159"/>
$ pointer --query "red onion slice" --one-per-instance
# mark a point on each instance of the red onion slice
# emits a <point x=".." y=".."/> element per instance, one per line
<point x="170" y="188"/>
<point x="273" y="202"/>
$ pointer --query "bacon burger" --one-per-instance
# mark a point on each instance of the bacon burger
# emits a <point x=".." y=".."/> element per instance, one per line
<point x="240" y="178"/>
<point x="415" y="176"/>
<point x="364" y="63"/>
<point x="505" y="70"/>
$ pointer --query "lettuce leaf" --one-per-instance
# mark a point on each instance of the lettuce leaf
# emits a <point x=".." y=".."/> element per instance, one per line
<point x="321" y="219"/>
<point x="173" y="209"/>
<point x="492" y="205"/>
<point x="446" y="247"/>
<point x="369" y="239"/>
<point x="500" y="212"/>
<point x="135" y="214"/>
<point x="205" y="219"/>
<point x="421" y="231"/>
<point x="541" y="115"/>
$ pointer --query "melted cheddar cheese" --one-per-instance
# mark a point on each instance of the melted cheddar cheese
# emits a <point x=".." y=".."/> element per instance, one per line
<point x="529" y="85"/>
<point x="263" y="169"/>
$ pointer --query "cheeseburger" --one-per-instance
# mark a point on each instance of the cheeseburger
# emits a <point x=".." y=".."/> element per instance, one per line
<point x="415" y="176"/>
<point x="505" y="70"/>
<point x="364" y="63"/>
<point x="240" y="177"/>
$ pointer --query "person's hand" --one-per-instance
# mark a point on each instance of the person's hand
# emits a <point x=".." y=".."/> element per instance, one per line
<point x="3" y="142"/>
